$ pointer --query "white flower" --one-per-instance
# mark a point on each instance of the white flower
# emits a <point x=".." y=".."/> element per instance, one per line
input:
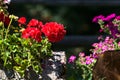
<point x="7" y="1"/>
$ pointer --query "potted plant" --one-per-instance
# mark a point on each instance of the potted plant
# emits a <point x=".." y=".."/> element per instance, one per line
<point x="24" y="45"/>
<point x="104" y="57"/>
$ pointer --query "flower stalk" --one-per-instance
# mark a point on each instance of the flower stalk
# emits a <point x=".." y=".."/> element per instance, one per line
<point x="8" y="28"/>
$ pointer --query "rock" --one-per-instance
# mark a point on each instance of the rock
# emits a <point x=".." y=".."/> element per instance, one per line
<point x="55" y="67"/>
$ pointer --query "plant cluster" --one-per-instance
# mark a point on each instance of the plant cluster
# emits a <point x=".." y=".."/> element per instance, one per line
<point x="23" y="44"/>
<point x="82" y="65"/>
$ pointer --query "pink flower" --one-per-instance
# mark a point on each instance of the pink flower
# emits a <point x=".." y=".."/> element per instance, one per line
<point x="89" y="59"/>
<point x="119" y="44"/>
<point x="110" y="17"/>
<point x="97" y="18"/>
<point x="72" y="59"/>
<point x="81" y="54"/>
<point x="117" y="18"/>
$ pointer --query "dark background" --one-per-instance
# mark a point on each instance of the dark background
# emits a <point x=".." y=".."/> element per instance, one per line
<point x="76" y="15"/>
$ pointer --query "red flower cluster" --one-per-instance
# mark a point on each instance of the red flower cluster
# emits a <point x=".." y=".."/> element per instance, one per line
<point x="4" y="18"/>
<point x="31" y="32"/>
<point x="22" y="20"/>
<point x="35" y="23"/>
<point x="52" y="30"/>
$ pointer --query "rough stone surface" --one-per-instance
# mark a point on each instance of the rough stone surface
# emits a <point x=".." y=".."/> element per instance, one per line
<point x="54" y="69"/>
<point x="9" y="75"/>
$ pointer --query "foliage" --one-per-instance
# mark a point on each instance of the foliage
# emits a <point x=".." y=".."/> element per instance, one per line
<point x="82" y="67"/>
<point x="23" y="44"/>
<point x="83" y="64"/>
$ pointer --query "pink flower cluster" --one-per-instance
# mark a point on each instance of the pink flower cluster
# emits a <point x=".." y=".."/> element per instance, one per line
<point x="72" y="59"/>
<point x="34" y="30"/>
<point x="109" y="24"/>
<point x="98" y="48"/>
<point x="107" y="44"/>
<point x="85" y="60"/>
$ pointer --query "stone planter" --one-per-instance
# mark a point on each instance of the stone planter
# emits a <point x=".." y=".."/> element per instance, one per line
<point x="54" y="69"/>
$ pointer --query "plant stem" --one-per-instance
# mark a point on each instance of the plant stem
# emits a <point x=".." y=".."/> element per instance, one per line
<point x="2" y="36"/>
<point x="8" y="28"/>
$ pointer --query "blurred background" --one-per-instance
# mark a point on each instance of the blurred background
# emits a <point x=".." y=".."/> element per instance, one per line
<point x="76" y="15"/>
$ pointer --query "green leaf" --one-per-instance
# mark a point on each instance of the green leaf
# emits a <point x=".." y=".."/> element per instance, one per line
<point x="5" y="56"/>
<point x="17" y="59"/>
<point x="25" y="63"/>
<point x="36" y="67"/>
<point x="1" y="41"/>
<point x="19" y="69"/>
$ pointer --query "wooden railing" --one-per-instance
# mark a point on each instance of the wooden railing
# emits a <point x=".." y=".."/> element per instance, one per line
<point x="73" y="2"/>
<point x="78" y="40"/>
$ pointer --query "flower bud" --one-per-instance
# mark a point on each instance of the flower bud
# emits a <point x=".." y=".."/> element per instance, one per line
<point x="1" y="23"/>
<point x="13" y="17"/>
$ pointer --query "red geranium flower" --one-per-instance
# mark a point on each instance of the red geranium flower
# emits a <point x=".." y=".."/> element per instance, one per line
<point x="1" y="16"/>
<point x="40" y="25"/>
<point x="4" y="18"/>
<point x="54" y="31"/>
<point x="33" y="33"/>
<point x="22" y="20"/>
<point x="33" y="23"/>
